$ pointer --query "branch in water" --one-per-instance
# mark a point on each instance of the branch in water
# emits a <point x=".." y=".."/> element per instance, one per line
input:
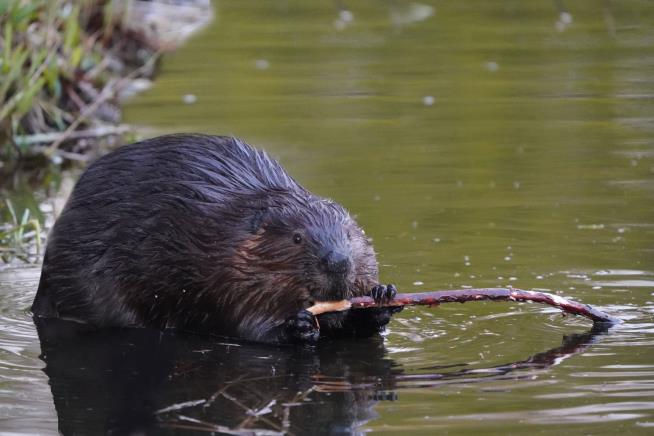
<point x="461" y="296"/>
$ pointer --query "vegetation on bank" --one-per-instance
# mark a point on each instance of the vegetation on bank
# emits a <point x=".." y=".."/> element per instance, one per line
<point x="63" y="64"/>
<point x="21" y="236"/>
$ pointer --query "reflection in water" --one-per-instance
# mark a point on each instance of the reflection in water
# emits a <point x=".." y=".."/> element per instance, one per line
<point x="138" y="380"/>
<point x="133" y="380"/>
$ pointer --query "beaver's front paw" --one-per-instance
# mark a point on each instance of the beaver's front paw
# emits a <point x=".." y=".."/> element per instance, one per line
<point x="382" y="315"/>
<point x="302" y="328"/>
<point x="383" y="293"/>
<point x="367" y="322"/>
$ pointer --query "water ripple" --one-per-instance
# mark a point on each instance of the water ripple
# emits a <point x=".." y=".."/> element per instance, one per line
<point x="599" y="412"/>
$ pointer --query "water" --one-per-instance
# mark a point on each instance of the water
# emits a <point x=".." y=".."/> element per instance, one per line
<point x="486" y="143"/>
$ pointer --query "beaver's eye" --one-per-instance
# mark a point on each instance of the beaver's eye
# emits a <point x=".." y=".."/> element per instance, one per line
<point x="297" y="238"/>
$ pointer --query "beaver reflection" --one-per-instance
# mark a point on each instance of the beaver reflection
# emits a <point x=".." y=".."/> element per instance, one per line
<point x="142" y="381"/>
<point x="136" y="381"/>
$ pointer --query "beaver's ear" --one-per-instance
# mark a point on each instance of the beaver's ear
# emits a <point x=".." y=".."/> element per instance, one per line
<point x="260" y="219"/>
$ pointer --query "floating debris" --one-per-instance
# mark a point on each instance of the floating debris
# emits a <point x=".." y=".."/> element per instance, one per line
<point x="345" y="18"/>
<point x="189" y="98"/>
<point x="564" y="21"/>
<point x="261" y="64"/>
<point x="590" y="226"/>
<point x="492" y="66"/>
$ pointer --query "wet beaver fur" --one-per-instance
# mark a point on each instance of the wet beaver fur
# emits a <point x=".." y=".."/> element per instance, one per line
<point x="206" y="234"/>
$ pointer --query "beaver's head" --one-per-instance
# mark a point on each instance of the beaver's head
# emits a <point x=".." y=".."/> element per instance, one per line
<point x="308" y="246"/>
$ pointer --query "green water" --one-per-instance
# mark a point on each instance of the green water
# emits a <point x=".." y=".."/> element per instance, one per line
<point x="479" y="143"/>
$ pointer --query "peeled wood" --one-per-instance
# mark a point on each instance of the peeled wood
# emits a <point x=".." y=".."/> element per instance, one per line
<point x="461" y="296"/>
<point x="330" y="306"/>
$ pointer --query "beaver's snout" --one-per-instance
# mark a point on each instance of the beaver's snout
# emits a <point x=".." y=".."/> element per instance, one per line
<point x="337" y="269"/>
<point x="336" y="262"/>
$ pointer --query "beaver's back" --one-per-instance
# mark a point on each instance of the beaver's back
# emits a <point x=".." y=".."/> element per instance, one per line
<point x="226" y="165"/>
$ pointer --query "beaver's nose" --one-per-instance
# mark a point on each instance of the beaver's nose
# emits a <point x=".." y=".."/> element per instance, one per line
<point x="335" y="262"/>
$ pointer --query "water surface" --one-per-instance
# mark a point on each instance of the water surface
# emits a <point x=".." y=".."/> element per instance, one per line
<point x="484" y="143"/>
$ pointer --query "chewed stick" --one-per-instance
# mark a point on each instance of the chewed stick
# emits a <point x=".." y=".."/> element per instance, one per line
<point x="461" y="296"/>
<point x="330" y="306"/>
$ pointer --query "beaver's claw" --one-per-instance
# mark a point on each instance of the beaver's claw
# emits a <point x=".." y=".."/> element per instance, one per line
<point x="383" y="293"/>
<point x="302" y="328"/>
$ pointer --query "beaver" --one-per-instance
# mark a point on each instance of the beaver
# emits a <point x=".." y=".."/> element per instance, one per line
<point x="206" y="234"/>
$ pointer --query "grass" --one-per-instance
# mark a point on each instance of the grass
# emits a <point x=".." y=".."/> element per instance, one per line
<point x="59" y="62"/>
<point x="20" y="236"/>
